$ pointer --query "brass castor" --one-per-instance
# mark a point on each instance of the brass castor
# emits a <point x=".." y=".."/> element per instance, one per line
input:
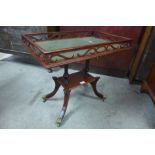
<point x="58" y="121"/>
<point x="44" y="98"/>
<point x="50" y="70"/>
<point x="104" y="98"/>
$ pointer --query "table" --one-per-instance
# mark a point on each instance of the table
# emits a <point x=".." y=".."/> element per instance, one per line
<point x="63" y="48"/>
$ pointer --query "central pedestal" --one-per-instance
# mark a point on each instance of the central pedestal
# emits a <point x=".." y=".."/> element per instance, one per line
<point x="70" y="81"/>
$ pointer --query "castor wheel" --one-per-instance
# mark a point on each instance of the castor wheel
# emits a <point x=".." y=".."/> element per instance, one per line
<point x="58" y="121"/>
<point x="50" y="70"/>
<point x="103" y="98"/>
<point x="44" y="98"/>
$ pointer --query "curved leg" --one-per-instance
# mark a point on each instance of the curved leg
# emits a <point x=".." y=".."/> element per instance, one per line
<point x="93" y="84"/>
<point x="57" y="85"/>
<point x="63" y="111"/>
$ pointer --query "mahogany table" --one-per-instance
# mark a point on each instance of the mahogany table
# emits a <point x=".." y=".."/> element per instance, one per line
<point x="62" y="48"/>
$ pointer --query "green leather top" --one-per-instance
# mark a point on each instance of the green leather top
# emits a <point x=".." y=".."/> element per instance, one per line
<point x="66" y="43"/>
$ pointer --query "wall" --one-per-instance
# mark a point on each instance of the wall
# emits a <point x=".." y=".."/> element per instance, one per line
<point x="10" y="36"/>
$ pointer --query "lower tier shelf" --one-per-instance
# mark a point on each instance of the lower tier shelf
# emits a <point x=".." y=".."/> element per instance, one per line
<point x="75" y="79"/>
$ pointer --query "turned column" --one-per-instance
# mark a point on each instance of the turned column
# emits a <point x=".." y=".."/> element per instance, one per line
<point x="66" y="75"/>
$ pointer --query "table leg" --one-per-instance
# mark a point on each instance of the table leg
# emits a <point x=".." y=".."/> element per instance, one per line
<point x="93" y="84"/>
<point x="143" y="88"/>
<point x="64" y="108"/>
<point x="57" y="85"/>
<point x="86" y="69"/>
<point x="66" y="75"/>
